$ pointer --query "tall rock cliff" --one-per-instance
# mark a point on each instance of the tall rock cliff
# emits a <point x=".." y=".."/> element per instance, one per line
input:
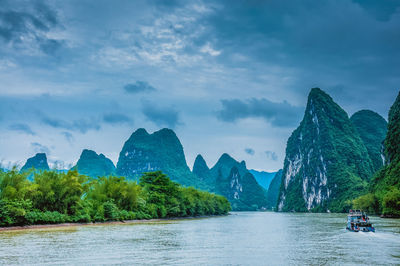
<point x="162" y="150"/>
<point x="372" y="129"/>
<point x="326" y="162"/>
<point x="38" y="162"/>
<point x="92" y="164"/>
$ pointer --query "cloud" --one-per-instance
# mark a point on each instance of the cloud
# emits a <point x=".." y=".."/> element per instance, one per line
<point x="68" y="136"/>
<point x="139" y="86"/>
<point x="81" y="125"/>
<point x="116" y="118"/>
<point x="161" y="116"/>
<point x="249" y="151"/>
<point x="271" y="155"/>
<point x="23" y="128"/>
<point x="29" y="24"/>
<point x="37" y="147"/>
<point x="207" y="49"/>
<point x="278" y="114"/>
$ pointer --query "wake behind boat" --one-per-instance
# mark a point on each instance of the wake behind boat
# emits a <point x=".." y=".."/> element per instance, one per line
<point x="358" y="220"/>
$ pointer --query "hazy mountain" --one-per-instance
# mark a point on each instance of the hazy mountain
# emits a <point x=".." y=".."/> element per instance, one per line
<point x="273" y="190"/>
<point x="92" y="164"/>
<point x="263" y="178"/>
<point x="200" y="168"/>
<point x="234" y="181"/>
<point x="326" y="162"/>
<point x="162" y="150"/>
<point x="38" y="162"/>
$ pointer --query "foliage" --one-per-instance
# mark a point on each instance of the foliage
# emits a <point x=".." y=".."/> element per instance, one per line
<point x="392" y="141"/>
<point x="57" y="197"/>
<point x="385" y="185"/>
<point x="372" y="129"/>
<point x="367" y="202"/>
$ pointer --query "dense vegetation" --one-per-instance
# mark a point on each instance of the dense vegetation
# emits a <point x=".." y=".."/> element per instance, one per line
<point x="372" y="129"/>
<point x="327" y="164"/>
<point x="384" y="195"/>
<point x="58" y="197"/>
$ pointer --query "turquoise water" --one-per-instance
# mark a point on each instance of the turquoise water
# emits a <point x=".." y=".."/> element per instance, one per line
<point x="247" y="238"/>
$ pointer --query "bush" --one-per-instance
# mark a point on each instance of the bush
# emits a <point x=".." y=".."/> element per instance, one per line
<point x="38" y="217"/>
<point x="13" y="212"/>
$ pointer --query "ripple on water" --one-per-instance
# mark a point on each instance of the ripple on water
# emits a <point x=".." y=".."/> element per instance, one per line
<point x="248" y="238"/>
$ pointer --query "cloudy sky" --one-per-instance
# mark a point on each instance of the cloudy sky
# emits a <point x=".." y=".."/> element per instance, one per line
<point x="227" y="76"/>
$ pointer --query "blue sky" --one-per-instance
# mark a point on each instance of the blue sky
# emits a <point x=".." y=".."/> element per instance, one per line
<point x="227" y="76"/>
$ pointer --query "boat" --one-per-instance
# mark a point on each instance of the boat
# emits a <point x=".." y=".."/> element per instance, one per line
<point x="357" y="220"/>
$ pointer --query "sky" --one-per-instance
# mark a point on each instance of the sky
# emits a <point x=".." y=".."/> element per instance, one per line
<point x="226" y="76"/>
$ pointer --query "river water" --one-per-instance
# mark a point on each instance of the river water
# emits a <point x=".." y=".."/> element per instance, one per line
<point x="242" y="238"/>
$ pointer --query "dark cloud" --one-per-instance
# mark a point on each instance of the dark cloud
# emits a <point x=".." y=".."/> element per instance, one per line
<point x="23" y="128"/>
<point x="139" y="86"/>
<point x="382" y="11"/>
<point x="81" y="125"/>
<point x="161" y="116"/>
<point x="116" y="118"/>
<point x="278" y="114"/>
<point x="68" y="136"/>
<point x="37" y="147"/>
<point x="29" y="22"/>
<point x="271" y="155"/>
<point x="249" y="151"/>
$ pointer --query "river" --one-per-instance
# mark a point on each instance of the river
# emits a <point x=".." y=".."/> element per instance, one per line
<point x="242" y="238"/>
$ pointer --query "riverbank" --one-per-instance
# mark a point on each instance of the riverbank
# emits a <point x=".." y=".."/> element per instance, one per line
<point x="44" y="226"/>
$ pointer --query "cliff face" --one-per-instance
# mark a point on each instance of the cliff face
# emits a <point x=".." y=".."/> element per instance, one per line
<point x="38" y="162"/>
<point x="92" y="164"/>
<point x="372" y="129"/>
<point x="326" y="162"/>
<point x="162" y="150"/>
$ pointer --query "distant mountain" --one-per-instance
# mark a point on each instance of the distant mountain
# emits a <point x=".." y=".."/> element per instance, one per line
<point x="372" y="129"/>
<point x="200" y="168"/>
<point x="273" y="190"/>
<point x="263" y="178"/>
<point x="326" y="163"/>
<point x="234" y="181"/>
<point x="162" y="150"/>
<point x="92" y="164"/>
<point x="37" y="162"/>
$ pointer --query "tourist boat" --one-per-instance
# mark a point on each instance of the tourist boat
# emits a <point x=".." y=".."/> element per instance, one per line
<point x="358" y="220"/>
